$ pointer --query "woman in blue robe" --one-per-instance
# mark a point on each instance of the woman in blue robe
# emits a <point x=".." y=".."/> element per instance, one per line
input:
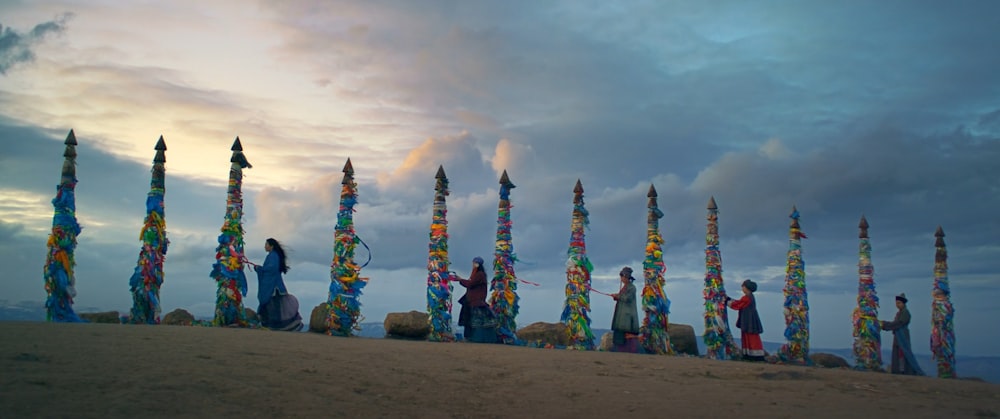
<point x="277" y="309"/>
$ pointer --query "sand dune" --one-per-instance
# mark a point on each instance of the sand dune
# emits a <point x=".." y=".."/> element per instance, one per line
<point x="106" y="370"/>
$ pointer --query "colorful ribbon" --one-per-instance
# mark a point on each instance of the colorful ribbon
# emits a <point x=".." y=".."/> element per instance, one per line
<point x="228" y="267"/>
<point x="60" y="283"/>
<point x="942" y="312"/>
<point x="345" y="282"/>
<point x="867" y="330"/>
<point x="796" y="349"/>
<point x="575" y="314"/>
<point x="655" y="304"/>
<point x="718" y="337"/>
<point x="439" y="287"/>
<point x="148" y="275"/>
<point x="601" y="292"/>
<point x="503" y="286"/>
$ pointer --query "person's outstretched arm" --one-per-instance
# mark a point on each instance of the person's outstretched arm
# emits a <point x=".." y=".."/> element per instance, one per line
<point x="270" y="264"/>
<point x="902" y="319"/>
<point x="740" y="304"/>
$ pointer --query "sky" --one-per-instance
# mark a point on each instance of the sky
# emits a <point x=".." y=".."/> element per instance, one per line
<point x="883" y="109"/>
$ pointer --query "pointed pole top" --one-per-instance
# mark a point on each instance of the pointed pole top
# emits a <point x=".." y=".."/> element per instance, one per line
<point x="505" y="180"/>
<point x="238" y="156"/>
<point x="70" y="138"/>
<point x="440" y="173"/>
<point x="578" y="188"/>
<point x="69" y="151"/>
<point x="939" y="232"/>
<point x="348" y="167"/>
<point x="652" y="191"/>
<point x="863" y="225"/>
<point x="711" y="204"/>
<point x="161" y="147"/>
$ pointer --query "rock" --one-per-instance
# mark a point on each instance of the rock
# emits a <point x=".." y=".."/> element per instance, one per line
<point x="178" y="317"/>
<point x="683" y="339"/>
<point x="828" y="360"/>
<point x="606" y="341"/>
<point x="102" y="317"/>
<point x="555" y="334"/>
<point x="412" y="325"/>
<point x="317" y="320"/>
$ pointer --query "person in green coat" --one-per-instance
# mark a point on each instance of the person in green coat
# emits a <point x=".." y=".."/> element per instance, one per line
<point x="626" y="319"/>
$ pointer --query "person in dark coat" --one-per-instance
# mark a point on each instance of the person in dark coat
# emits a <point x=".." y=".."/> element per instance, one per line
<point x="277" y="308"/>
<point x="476" y="316"/>
<point x="749" y="322"/>
<point x="625" y="323"/>
<point x="903" y="361"/>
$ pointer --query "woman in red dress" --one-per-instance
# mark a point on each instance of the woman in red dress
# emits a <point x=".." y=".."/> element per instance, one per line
<point x="749" y="322"/>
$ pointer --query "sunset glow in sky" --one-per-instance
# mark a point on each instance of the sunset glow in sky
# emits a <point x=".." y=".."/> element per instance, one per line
<point x="887" y="109"/>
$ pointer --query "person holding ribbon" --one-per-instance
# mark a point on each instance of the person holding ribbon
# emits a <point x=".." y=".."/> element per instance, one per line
<point x="625" y="323"/>
<point x="749" y="322"/>
<point x="278" y="309"/>
<point x="476" y="316"/>
<point x="903" y="361"/>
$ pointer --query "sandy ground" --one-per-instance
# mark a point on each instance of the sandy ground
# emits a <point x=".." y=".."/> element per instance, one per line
<point x="117" y="371"/>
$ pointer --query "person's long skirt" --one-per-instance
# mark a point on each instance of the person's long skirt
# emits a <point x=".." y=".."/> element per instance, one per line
<point x="753" y="348"/>
<point x="482" y="326"/>
<point x="281" y="313"/>
<point x="622" y="341"/>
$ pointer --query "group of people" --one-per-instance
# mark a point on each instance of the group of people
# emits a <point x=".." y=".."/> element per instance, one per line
<point x="625" y="325"/>
<point x="279" y="310"/>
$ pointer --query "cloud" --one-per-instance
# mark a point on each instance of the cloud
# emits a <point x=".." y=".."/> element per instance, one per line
<point x="458" y="154"/>
<point x="815" y="105"/>
<point x="17" y="48"/>
<point x="512" y="155"/>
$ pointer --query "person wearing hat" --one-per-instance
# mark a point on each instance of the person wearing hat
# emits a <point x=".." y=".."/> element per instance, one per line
<point x="475" y="316"/>
<point x="903" y="361"/>
<point x="749" y="322"/>
<point x="626" y="319"/>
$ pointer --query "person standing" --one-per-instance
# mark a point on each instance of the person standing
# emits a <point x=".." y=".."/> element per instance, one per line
<point x="903" y="361"/>
<point x="476" y="316"/>
<point x="277" y="308"/>
<point x="625" y="323"/>
<point x="749" y="322"/>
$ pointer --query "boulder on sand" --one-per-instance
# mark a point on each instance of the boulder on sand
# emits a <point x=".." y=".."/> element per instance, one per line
<point x="178" y="317"/>
<point x="555" y="334"/>
<point x="606" y="342"/>
<point x="411" y="325"/>
<point x="682" y="338"/>
<point x="828" y="360"/>
<point x="317" y="320"/>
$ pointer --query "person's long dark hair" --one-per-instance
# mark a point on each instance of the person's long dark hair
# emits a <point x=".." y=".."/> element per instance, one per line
<point x="282" y="260"/>
<point x="480" y="268"/>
